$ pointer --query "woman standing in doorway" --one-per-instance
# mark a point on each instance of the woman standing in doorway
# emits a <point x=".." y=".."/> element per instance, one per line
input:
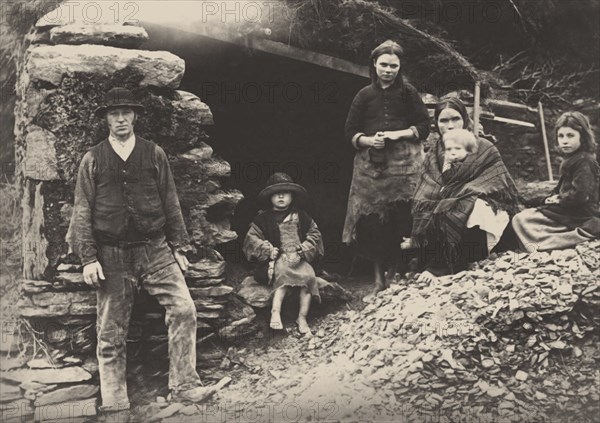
<point x="386" y="123"/>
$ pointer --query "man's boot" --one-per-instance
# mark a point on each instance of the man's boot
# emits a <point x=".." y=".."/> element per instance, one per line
<point x="200" y="393"/>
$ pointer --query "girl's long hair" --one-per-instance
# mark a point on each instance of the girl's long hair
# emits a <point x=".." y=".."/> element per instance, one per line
<point x="387" y="47"/>
<point x="579" y="122"/>
<point x="455" y="104"/>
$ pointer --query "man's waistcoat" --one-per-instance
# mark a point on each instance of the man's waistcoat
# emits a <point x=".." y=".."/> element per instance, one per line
<point x="127" y="191"/>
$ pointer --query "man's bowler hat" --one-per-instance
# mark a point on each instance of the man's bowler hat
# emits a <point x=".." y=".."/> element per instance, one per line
<point x="118" y="97"/>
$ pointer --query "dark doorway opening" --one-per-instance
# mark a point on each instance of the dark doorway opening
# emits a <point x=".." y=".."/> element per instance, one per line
<point x="273" y="114"/>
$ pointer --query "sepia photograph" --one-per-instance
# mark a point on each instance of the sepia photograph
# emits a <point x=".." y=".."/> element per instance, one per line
<point x="281" y="211"/>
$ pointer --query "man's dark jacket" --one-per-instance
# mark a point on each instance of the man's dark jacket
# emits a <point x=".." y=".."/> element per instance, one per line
<point x="124" y="200"/>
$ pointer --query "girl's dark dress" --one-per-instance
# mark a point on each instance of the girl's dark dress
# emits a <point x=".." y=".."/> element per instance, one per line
<point x="378" y="212"/>
<point x="575" y="219"/>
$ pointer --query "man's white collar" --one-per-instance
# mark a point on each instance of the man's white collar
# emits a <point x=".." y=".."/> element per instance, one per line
<point x="122" y="143"/>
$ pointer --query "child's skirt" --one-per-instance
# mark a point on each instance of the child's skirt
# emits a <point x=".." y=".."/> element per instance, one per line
<point x="290" y="268"/>
<point x="537" y="232"/>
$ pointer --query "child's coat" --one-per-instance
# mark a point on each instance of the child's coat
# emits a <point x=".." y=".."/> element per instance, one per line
<point x="289" y="269"/>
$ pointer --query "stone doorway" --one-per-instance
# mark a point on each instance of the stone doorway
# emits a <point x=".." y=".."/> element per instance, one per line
<point x="272" y="114"/>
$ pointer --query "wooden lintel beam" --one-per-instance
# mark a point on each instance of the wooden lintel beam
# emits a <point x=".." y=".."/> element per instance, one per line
<point x="319" y="59"/>
<point x="221" y="33"/>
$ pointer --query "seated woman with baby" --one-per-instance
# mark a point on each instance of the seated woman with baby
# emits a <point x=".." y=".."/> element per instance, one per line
<point x="466" y="197"/>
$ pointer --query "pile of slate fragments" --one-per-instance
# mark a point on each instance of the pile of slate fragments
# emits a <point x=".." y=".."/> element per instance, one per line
<point x="514" y="338"/>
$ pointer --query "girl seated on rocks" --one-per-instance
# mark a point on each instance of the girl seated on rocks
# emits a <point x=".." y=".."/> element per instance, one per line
<point x="284" y="240"/>
<point x="571" y="214"/>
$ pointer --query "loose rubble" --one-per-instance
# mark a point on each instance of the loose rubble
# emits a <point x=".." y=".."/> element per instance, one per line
<point x="512" y="339"/>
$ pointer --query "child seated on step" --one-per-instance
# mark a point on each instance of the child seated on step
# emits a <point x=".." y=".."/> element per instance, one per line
<point x="571" y="214"/>
<point x="284" y="240"/>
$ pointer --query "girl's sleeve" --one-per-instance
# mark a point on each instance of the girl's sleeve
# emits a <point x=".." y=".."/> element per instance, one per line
<point x="582" y="186"/>
<point x="353" y="128"/>
<point x="420" y="116"/>
<point x="256" y="248"/>
<point x="312" y="247"/>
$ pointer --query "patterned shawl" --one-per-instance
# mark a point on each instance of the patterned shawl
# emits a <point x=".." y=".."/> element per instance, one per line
<point x="443" y="203"/>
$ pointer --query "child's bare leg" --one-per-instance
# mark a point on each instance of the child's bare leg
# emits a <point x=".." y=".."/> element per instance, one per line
<point x="379" y="276"/>
<point x="278" y="297"/>
<point x="305" y="298"/>
<point x="391" y="273"/>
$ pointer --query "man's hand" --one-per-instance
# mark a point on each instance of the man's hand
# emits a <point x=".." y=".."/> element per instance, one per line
<point x="181" y="260"/>
<point x="274" y="253"/>
<point x="553" y="199"/>
<point x="93" y="274"/>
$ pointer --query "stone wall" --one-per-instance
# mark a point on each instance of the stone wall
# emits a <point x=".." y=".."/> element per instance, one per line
<point x="68" y="69"/>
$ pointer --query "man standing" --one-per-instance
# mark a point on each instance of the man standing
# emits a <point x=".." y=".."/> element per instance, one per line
<point x="128" y="230"/>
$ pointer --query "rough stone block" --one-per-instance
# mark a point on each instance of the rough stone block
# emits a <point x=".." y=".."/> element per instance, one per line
<point x="9" y="392"/>
<point x="71" y="277"/>
<point x="40" y="162"/>
<point x="204" y="269"/>
<point x="88" y="13"/>
<point x="256" y="295"/>
<point x="65" y="267"/>
<point x="238" y="330"/>
<point x="209" y="232"/>
<point x="203" y="306"/>
<point x="72" y="393"/>
<point x="332" y="291"/>
<point x="204" y="282"/>
<point x="66" y="411"/>
<point x="53" y="304"/>
<point x="126" y="36"/>
<point x="16" y="411"/>
<point x="48" y="376"/>
<point x="193" y="108"/>
<point x="534" y="193"/>
<point x="259" y="296"/>
<point x="212" y="291"/>
<point x="199" y="154"/>
<point x="51" y="63"/>
<point x="51" y="298"/>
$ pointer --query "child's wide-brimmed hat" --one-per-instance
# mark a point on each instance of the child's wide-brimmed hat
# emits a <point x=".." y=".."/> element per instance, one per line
<point x="281" y="182"/>
<point x="118" y="97"/>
